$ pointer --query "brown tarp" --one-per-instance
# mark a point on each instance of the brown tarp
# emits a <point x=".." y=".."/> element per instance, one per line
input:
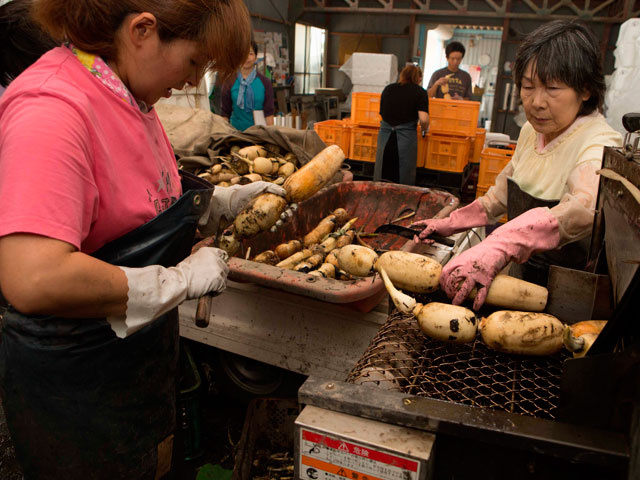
<point x="198" y="136"/>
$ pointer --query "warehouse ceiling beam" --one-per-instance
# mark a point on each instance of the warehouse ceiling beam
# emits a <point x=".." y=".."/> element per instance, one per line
<point x="500" y="9"/>
<point x="259" y="16"/>
<point x="323" y="4"/>
<point x="599" y="7"/>
<point x="457" y="6"/>
<point x="591" y="10"/>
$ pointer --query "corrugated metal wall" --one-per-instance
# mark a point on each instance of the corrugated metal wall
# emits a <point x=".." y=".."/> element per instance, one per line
<point x="477" y="44"/>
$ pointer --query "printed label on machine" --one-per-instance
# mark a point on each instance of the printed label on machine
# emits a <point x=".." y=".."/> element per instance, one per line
<point x="324" y="457"/>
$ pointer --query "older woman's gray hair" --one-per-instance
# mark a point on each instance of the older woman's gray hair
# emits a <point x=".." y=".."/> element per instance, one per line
<point x="566" y="51"/>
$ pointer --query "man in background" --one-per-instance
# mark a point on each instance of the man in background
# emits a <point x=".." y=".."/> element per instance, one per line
<point x="450" y="82"/>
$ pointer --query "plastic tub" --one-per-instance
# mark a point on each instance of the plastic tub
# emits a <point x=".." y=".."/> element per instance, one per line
<point x="374" y="203"/>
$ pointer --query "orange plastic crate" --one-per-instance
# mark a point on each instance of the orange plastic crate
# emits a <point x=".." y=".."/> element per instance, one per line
<point x="453" y="117"/>
<point x="364" y="144"/>
<point x="492" y="161"/>
<point x="365" y="109"/>
<point x="448" y="153"/>
<point x="335" y="132"/>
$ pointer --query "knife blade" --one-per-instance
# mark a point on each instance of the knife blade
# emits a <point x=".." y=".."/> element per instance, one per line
<point x="408" y="232"/>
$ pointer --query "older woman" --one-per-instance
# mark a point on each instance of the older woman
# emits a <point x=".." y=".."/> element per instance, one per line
<point x="95" y="227"/>
<point x="549" y="187"/>
<point x="402" y="105"/>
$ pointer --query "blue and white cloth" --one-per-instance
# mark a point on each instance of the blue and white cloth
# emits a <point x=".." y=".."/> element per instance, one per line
<point x="245" y="93"/>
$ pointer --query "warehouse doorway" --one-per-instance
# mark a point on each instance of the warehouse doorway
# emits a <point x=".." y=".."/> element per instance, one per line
<point x="482" y="45"/>
<point x="309" y="59"/>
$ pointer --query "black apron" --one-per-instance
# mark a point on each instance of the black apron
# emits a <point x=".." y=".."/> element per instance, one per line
<point x="536" y="269"/>
<point x="83" y="404"/>
<point x="407" y="151"/>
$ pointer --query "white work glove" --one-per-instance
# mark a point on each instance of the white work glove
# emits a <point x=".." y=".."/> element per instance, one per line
<point x="228" y="202"/>
<point x="155" y="290"/>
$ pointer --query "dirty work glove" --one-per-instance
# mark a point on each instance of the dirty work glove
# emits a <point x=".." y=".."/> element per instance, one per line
<point x="473" y="215"/>
<point x="228" y="202"/>
<point x="534" y="231"/>
<point x="155" y="290"/>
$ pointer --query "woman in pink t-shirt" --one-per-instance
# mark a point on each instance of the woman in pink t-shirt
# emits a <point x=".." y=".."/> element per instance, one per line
<point x="95" y="227"/>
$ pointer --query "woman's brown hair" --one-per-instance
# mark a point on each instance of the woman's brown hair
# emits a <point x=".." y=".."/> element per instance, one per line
<point x="221" y="27"/>
<point x="410" y="74"/>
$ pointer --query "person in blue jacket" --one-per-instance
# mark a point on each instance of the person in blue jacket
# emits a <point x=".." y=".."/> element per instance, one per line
<point x="251" y="92"/>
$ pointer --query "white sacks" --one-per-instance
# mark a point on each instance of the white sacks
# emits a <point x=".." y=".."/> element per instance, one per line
<point x="624" y="84"/>
<point x="370" y="72"/>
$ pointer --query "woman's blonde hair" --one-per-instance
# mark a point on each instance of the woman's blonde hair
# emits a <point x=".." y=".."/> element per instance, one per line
<point x="410" y="74"/>
<point x="221" y="27"/>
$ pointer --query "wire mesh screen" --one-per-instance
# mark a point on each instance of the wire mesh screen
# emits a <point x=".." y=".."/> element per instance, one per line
<point x="402" y="358"/>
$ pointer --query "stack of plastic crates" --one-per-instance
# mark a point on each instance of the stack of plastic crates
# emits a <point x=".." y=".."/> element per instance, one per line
<point x="452" y="134"/>
<point x="452" y="130"/>
<point x="365" y="121"/>
<point x="358" y="135"/>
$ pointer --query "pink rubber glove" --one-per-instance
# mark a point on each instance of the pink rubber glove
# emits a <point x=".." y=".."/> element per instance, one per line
<point x="473" y="215"/>
<point x="534" y="231"/>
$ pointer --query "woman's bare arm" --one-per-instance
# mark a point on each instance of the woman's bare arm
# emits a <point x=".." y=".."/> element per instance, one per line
<point x="44" y="276"/>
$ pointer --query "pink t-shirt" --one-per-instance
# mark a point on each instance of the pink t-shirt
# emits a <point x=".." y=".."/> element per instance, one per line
<point x="77" y="163"/>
